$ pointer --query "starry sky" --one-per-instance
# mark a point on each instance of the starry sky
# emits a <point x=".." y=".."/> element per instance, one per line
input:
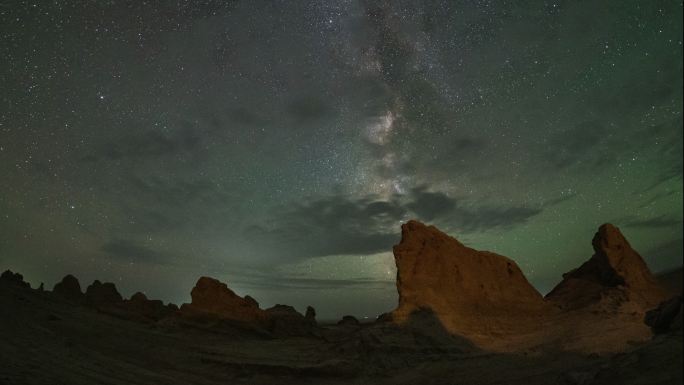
<point x="279" y="145"/>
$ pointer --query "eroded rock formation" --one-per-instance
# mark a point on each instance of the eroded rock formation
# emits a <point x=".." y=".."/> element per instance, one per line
<point x="213" y="298"/>
<point x="615" y="272"/>
<point x="485" y="298"/>
<point x="478" y="294"/>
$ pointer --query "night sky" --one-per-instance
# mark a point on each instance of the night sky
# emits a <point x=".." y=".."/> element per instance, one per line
<point x="279" y="145"/>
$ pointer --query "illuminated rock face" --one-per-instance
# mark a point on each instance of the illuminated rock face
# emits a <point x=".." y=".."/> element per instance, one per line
<point x="213" y="298"/>
<point x="478" y="294"/>
<point x="485" y="297"/>
<point x="603" y="303"/>
<point x="615" y="270"/>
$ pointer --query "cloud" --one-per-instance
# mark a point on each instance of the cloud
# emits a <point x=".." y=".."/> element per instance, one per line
<point x="331" y="226"/>
<point x="290" y="283"/>
<point x="176" y="192"/>
<point x="430" y="205"/>
<point x="310" y="108"/>
<point x="462" y="215"/>
<point x="653" y="223"/>
<point x="667" y="255"/>
<point x="576" y="145"/>
<point x="484" y="219"/>
<point x="128" y="251"/>
<point x="341" y="225"/>
<point x="148" y="144"/>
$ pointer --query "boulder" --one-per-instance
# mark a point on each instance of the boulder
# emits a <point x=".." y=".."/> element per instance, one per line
<point x="348" y="320"/>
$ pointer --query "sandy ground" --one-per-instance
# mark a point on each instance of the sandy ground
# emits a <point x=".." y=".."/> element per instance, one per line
<point x="44" y="340"/>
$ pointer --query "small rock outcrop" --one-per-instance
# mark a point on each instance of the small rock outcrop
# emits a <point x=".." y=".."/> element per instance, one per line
<point x="310" y="314"/>
<point x="478" y="294"/>
<point x="102" y="294"/>
<point x="284" y="320"/>
<point x="150" y="309"/>
<point x="348" y="320"/>
<point x="14" y="279"/>
<point x="68" y="288"/>
<point x="213" y="298"/>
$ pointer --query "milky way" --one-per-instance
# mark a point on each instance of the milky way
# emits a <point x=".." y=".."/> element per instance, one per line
<point x="278" y="146"/>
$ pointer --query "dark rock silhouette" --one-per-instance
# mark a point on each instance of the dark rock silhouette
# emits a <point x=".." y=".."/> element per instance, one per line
<point x="478" y="294"/>
<point x="665" y="316"/>
<point x="154" y="310"/>
<point x="251" y="301"/>
<point x="13" y="278"/>
<point x="102" y="294"/>
<point x="349" y="320"/>
<point x="615" y="270"/>
<point x="212" y="301"/>
<point x="284" y="320"/>
<point x="68" y="288"/>
<point x="310" y="313"/>
<point x="384" y="317"/>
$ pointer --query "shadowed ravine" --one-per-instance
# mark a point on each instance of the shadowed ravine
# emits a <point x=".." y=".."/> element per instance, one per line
<point x="464" y="317"/>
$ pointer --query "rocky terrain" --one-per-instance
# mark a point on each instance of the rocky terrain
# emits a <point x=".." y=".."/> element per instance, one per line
<point x="464" y="317"/>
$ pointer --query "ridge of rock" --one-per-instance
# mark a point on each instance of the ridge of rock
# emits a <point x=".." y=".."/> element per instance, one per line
<point x="13" y="278"/>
